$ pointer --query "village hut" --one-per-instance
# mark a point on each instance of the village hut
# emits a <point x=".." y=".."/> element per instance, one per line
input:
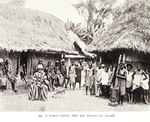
<point x="128" y="37"/>
<point x="28" y="35"/>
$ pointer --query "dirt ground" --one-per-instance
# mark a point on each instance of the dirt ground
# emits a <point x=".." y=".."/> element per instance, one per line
<point x="72" y="101"/>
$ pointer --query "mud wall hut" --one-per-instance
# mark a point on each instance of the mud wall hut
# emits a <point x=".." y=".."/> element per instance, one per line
<point x="28" y="35"/>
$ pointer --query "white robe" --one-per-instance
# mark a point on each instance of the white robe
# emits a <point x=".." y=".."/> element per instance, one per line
<point x="104" y="80"/>
<point x="144" y="83"/>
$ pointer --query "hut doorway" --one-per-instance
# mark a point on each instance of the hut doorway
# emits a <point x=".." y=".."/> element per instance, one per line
<point x="23" y="59"/>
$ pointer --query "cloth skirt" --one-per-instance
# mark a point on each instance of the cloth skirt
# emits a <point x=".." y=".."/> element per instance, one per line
<point x="38" y="93"/>
<point x="122" y="86"/>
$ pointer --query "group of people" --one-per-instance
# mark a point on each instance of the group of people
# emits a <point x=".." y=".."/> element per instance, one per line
<point x="53" y="76"/>
<point x="47" y="79"/>
<point x="135" y="84"/>
<point x="98" y="80"/>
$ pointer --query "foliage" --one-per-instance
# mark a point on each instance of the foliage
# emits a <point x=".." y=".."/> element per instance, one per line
<point x="94" y="12"/>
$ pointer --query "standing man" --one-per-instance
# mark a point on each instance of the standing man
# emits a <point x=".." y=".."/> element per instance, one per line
<point x="64" y="72"/>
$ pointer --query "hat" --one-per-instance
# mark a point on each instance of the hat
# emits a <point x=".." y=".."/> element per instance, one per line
<point x="129" y="65"/>
<point x="40" y="66"/>
<point x="1" y="60"/>
<point x="102" y="65"/>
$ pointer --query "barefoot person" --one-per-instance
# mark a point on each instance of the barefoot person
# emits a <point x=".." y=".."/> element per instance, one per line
<point x="48" y="72"/>
<point x="64" y="73"/>
<point x="121" y="78"/>
<point x="138" y="76"/>
<point x="129" y="83"/>
<point x="145" y="87"/>
<point x="72" y="75"/>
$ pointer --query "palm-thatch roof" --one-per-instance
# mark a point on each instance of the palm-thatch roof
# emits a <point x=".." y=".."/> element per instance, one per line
<point x="76" y="41"/>
<point x="130" y="31"/>
<point x="23" y="29"/>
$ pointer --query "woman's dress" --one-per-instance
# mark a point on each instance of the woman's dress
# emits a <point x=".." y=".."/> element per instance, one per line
<point x="121" y="81"/>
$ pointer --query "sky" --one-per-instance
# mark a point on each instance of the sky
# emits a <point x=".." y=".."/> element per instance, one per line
<point x="63" y="9"/>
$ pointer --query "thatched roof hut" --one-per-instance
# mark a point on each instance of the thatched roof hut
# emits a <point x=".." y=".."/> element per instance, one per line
<point x="129" y="36"/>
<point x="131" y="31"/>
<point x="23" y="29"/>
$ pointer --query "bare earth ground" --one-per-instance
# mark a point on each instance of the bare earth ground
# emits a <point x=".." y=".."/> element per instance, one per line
<point x="74" y="101"/>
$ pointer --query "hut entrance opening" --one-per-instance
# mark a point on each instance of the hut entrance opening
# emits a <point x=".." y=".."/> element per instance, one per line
<point x="23" y="59"/>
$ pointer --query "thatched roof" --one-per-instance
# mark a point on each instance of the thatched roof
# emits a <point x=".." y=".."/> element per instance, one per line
<point x="23" y="29"/>
<point x="75" y="39"/>
<point x="131" y="31"/>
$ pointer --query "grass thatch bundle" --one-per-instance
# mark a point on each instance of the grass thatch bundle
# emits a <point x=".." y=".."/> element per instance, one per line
<point x="24" y="29"/>
<point x="130" y="31"/>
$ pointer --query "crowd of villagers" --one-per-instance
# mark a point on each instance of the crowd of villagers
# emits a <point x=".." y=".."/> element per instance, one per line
<point x="97" y="79"/>
<point x="133" y="84"/>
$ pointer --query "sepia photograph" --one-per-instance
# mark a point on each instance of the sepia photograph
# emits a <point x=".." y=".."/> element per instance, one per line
<point x="75" y="56"/>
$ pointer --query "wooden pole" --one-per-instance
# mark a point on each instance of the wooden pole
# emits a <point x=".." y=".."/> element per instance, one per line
<point x="124" y="58"/>
<point x="69" y="63"/>
<point x="100" y="59"/>
<point x="18" y="64"/>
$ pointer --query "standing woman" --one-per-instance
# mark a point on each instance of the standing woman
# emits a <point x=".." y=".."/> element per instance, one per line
<point x="72" y="75"/>
<point x="138" y="76"/>
<point x="60" y="77"/>
<point x="145" y="87"/>
<point x="83" y="74"/>
<point x="48" y="72"/>
<point x="88" y="77"/>
<point x="129" y="83"/>
<point x="121" y="77"/>
<point x="64" y="72"/>
<point x="7" y="71"/>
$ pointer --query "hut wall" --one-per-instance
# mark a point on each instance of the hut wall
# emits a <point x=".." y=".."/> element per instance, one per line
<point x="135" y="58"/>
<point x="33" y="58"/>
<point x="13" y="57"/>
<point x="132" y="57"/>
